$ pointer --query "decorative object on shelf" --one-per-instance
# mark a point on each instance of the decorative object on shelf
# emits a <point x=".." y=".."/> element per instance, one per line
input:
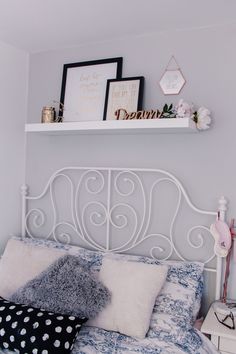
<point x="122" y="114"/>
<point x="59" y="118"/>
<point x="125" y="94"/>
<point x="201" y="116"/>
<point x="84" y="87"/>
<point x="168" y="111"/>
<point x="182" y="110"/>
<point x="172" y="81"/>
<point x="48" y="115"/>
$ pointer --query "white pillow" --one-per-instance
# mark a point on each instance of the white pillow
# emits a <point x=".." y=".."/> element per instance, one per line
<point x="134" y="287"/>
<point x="22" y="262"/>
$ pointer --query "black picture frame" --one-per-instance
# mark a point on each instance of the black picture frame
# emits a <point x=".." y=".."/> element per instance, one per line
<point x="83" y="88"/>
<point x="123" y="93"/>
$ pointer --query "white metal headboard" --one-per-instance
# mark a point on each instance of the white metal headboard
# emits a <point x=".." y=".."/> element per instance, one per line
<point x="116" y="210"/>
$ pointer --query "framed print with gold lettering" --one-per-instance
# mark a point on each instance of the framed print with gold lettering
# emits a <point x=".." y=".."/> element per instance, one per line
<point x="84" y="87"/>
<point x="123" y="94"/>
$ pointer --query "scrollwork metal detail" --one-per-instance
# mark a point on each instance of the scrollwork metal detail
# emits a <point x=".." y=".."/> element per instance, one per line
<point x="126" y="180"/>
<point x="38" y="220"/>
<point x="113" y="201"/>
<point x="198" y="241"/>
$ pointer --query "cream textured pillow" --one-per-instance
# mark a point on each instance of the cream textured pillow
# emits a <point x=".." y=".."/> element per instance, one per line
<point x="134" y="287"/>
<point x="22" y="262"/>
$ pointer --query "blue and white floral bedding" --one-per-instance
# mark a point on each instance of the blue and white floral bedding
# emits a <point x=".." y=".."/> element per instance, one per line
<point x="171" y="328"/>
<point x="95" y="340"/>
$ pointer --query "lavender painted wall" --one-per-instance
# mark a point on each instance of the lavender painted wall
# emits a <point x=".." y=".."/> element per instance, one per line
<point x="13" y="98"/>
<point x="204" y="162"/>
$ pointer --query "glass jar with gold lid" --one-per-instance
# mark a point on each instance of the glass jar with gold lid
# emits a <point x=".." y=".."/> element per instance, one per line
<point x="48" y="114"/>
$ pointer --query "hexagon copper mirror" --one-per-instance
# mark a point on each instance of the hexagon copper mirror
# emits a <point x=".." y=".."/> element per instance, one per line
<point x="172" y="81"/>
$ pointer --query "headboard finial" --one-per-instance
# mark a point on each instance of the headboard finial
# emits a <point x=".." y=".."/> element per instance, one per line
<point x="222" y="208"/>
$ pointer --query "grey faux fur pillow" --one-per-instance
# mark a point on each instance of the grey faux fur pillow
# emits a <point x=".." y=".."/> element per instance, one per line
<point x="66" y="288"/>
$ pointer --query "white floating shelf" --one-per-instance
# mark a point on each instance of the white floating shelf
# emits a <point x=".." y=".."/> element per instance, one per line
<point x="151" y="126"/>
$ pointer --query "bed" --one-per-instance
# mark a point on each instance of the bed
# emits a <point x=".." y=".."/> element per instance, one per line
<point x="132" y="215"/>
